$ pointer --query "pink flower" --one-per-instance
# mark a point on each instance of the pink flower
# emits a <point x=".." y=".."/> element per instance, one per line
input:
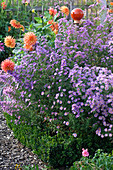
<point x="85" y="152"/>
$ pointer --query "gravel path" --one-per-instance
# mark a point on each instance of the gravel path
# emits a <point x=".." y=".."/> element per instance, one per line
<point x="13" y="152"/>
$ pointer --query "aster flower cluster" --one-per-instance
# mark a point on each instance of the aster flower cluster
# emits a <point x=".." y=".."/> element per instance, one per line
<point x="90" y="95"/>
<point x="89" y="45"/>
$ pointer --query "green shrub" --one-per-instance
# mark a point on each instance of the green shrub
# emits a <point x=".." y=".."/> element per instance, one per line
<point x="57" y="151"/>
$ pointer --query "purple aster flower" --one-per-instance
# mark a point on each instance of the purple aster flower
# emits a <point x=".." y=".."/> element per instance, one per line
<point x="74" y="134"/>
<point x="57" y="95"/>
<point x="110" y="135"/>
<point x="61" y="108"/>
<point x="42" y="93"/>
<point x="66" y="113"/>
<point x="67" y="123"/>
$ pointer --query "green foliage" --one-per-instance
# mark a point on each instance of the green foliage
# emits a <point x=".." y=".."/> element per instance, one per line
<point x="18" y="54"/>
<point x="41" y="27"/>
<point x="58" y="151"/>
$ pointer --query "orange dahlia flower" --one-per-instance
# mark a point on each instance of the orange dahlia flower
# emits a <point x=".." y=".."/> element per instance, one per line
<point x="9" y="29"/>
<point x="50" y="22"/>
<point x="110" y="10"/>
<point x="9" y="42"/>
<point x="111" y="3"/>
<point x="52" y="11"/>
<point x="65" y="10"/>
<point x="3" y="5"/>
<point x="30" y="39"/>
<point x="7" y="65"/>
<point x="54" y="25"/>
<point x="28" y="47"/>
<point x="15" y="24"/>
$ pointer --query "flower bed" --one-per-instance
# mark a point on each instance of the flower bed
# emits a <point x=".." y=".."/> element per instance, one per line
<point x="58" y="96"/>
